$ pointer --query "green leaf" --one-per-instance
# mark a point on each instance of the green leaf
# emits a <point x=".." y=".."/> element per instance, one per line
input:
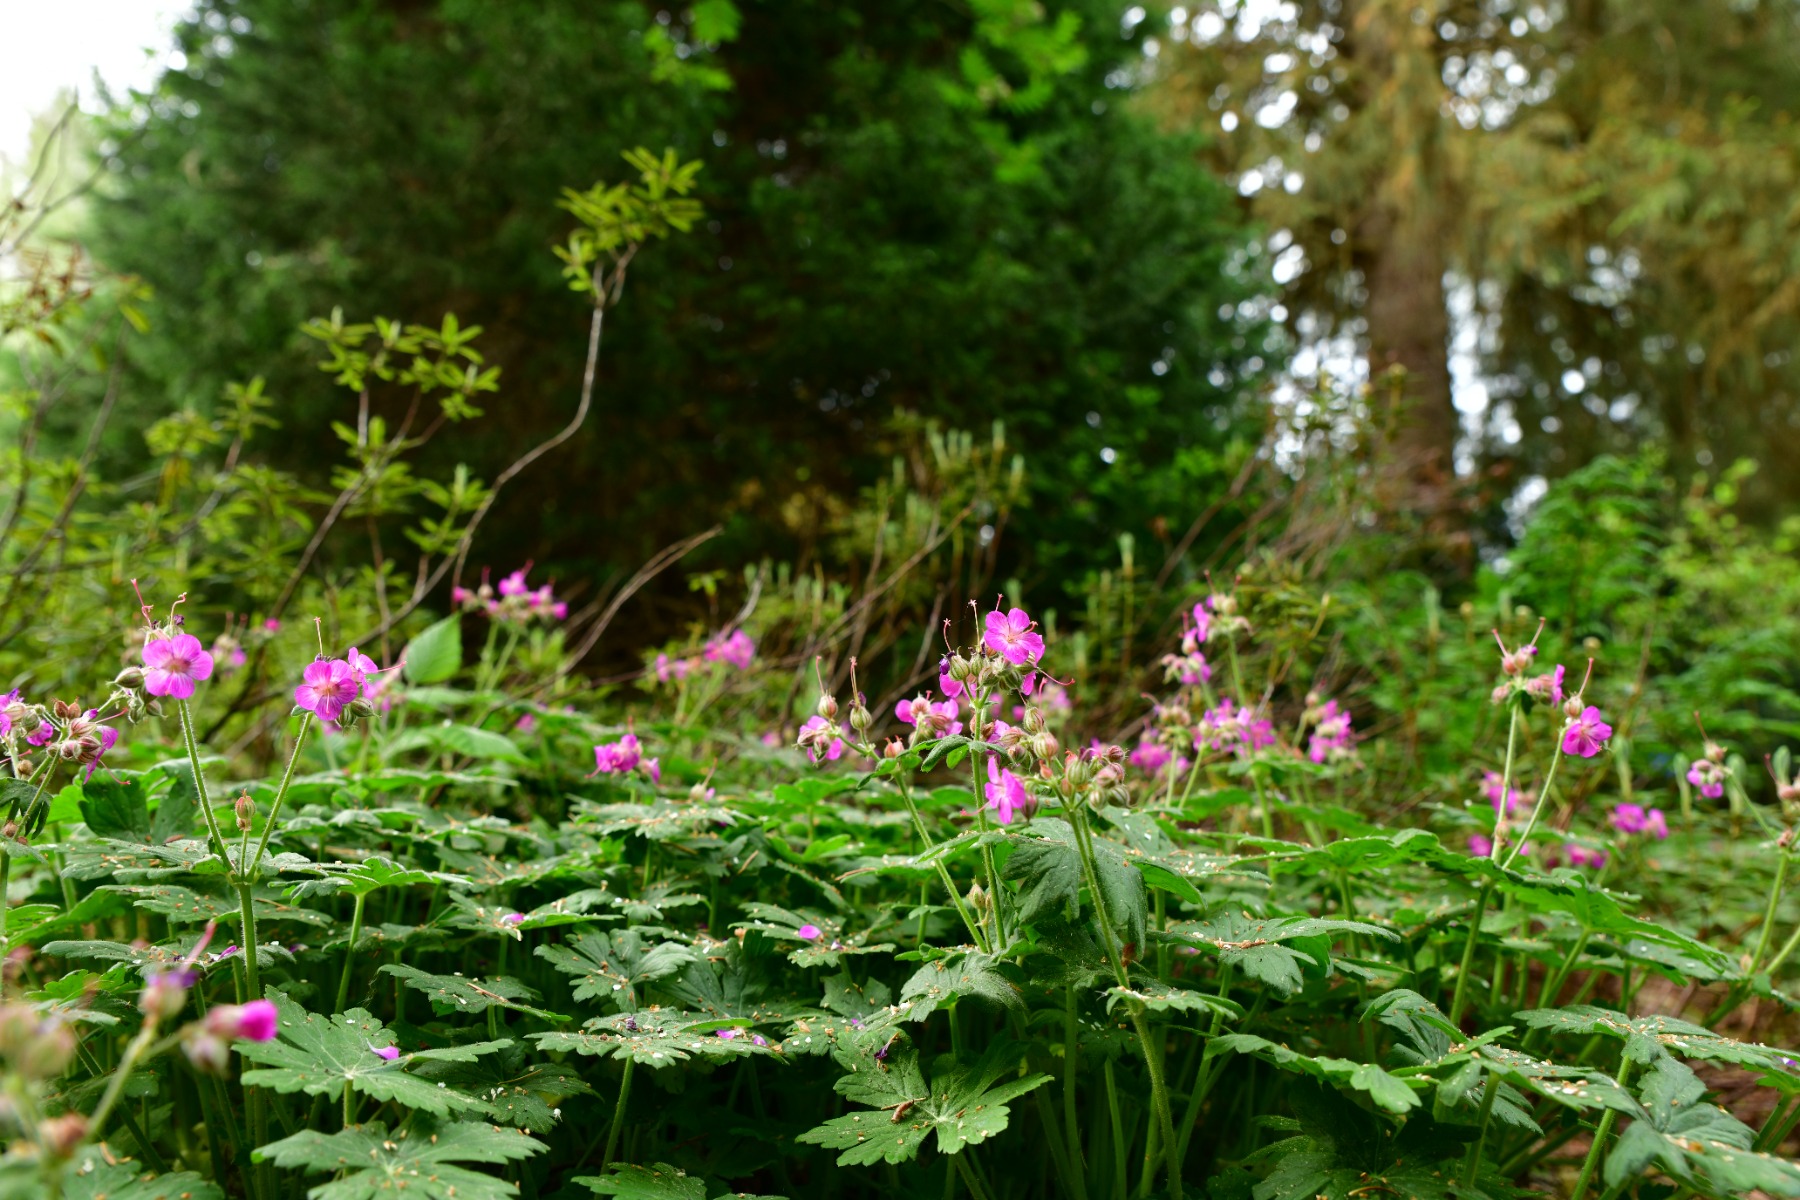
<point x="435" y="654"/>
<point x="93" y="1177"/>
<point x="1047" y="865"/>
<point x="965" y="1105"/>
<point x="611" y="966"/>
<point x="1258" y="946"/>
<point x="654" y="1039"/>
<point x="322" y="1055"/>
<point x="116" y="808"/>
<point x="1157" y="996"/>
<point x="419" y="1161"/>
<point x="456" y="993"/>
<point x="446" y="738"/>
<point x="1653" y="1038"/>
<point x="1386" y="1090"/>
<point x="661" y="1182"/>
<point x="1699" y="1144"/>
<point x="961" y="973"/>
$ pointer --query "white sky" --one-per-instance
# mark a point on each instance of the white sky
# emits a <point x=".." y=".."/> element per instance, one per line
<point x="47" y="46"/>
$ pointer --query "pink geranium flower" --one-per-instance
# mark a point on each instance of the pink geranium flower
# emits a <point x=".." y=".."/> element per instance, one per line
<point x="330" y="685"/>
<point x="1481" y="847"/>
<point x="172" y="665"/>
<point x="1586" y="735"/>
<point x="1581" y="856"/>
<point x="1005" y="793"/>
<point x="361" y="664"/>
<point x="1010" y="636"/>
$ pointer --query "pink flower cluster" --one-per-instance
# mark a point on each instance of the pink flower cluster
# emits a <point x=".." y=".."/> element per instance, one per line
<point x="1581" y="856"/>
<point x="514" y="601"/>
<point x="1332" y="738"/>
<point x="1152" y="757"/>
<point x="74" y="735"/>
<point x="1634" y="818"/>
<point x="1514" y="799"/>
<point x="1233" y="727"/>
<point x="330" y="685"/>
<point x="623" y="757"/>
<point x="1709" y="776"/>
<point x="735" y="649"/>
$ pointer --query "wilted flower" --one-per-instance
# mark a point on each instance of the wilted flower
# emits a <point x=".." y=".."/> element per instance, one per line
<point x="388" y="1052"/>
<point x="932" y="718"/>
<point x="808" y="931"/>
<point x="821" y="740"/>
<point x="514" y="919"/>
<point x="1547" y="687"/>
<point x="174" y="664"/>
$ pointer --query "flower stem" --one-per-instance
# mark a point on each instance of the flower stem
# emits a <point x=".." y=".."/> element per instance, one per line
<point x="1537" y="810"/>
<point x="1468" y="958"/>
<point x="1159" y="1089"/>
<point x="247" y="919"/>
<point x="618" y="1117"/>
<point x="943" y="871"/>
<point x="356" y="920"/>
<point x="287" y="779"/>
<point x="1768" y="929"/>
<point x="1505" y="803"/>
<point x="1594" y="1151"/>
<point x="193" y="752"/>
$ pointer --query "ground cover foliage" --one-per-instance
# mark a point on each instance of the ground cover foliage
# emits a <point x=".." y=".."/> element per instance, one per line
<point x="432" y="952"/>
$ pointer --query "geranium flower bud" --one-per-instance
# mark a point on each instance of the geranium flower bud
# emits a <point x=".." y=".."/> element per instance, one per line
<point x="1034" y="720"/>
<point x="861" y="718"/>
<point x="19" y="1024"/>
<point x="893" y="749"/>
<point x="1044" y="745"/>
<point x="210" y="1055"/>
<point x="246" y="809"/>
<point x="827" y="707"/>
<point x="359" y="709"/>
<point x="130" y="677"/>
<point x="165" y="994"/>
<point x="48" y="1054"/>
<point x="979" y="900"/>
<point x="63" y="1135"/>
<point x="1574" y="706"/>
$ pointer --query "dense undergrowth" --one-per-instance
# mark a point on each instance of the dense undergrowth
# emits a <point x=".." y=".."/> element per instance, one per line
<point x="1310" y="883"/>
